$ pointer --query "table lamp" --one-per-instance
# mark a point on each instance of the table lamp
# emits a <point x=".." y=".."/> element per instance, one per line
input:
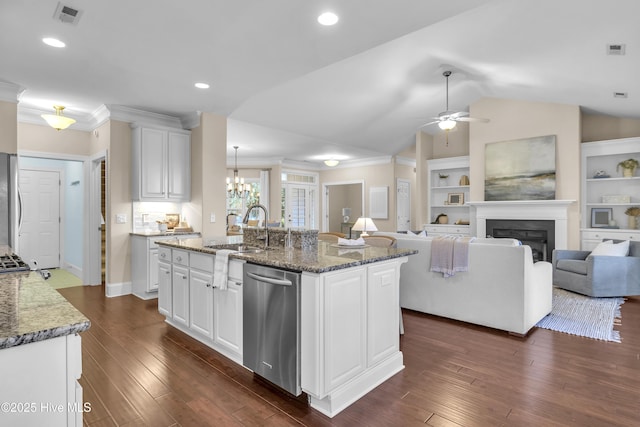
<point x="364" y="224"/>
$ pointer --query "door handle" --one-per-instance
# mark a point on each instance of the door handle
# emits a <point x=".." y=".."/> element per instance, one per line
<point x="270" y="280"/>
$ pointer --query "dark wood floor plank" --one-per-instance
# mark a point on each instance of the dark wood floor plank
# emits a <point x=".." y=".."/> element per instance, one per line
<point x="455" y="374"/>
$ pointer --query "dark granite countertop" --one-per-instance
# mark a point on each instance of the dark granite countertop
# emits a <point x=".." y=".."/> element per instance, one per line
<point x="319" y="259"/>
<point x="31" y="311"/>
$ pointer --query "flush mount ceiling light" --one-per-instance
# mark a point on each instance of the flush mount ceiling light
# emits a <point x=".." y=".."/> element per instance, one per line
<point x="331" y="162"/>
<point x="202" y="85"/>
<point x="58" y="121"/>
<point x="50" y="41"/>
<point x="328" y="18"/>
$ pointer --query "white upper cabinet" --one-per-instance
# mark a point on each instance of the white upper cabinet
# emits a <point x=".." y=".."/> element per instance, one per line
<point x="161" y="164"/>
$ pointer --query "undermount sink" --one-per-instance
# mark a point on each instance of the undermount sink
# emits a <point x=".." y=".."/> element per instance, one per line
<point x="238" y="247"/>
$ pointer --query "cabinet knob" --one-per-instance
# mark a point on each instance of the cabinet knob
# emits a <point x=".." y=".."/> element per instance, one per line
<point x="179" y="258"/>
<point x="166" y="272"/>
<point x="184" y="277"/>
<point x="208" y="285"/>
<point x="163" y="255"/>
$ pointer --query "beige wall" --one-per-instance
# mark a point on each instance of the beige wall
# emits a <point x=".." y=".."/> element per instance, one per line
<point x="344" y="196"/>
<point x="209" y="170"/>
<point x="512" y="119"/>
<point x="119" y="201"/>
<point x="8" y="127"/>
<point x="424" y="151"/>
<point x="457" y="144"/>
<point x="45" y="139"/>
<point x="382" y="175"/>
<point x="599" y="128"/>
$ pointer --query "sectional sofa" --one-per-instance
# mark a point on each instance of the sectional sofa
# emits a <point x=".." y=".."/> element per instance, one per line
<point x="503" y="288"/>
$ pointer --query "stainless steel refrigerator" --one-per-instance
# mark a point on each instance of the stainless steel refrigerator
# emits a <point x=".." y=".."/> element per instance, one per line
<point x="10" y="204"/>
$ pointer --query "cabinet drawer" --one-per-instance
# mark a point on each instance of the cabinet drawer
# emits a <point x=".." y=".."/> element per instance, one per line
<point x="201" y="262"/>
<point x="180" y="257"/>
<point x="609" y="234"/>
<point x="164" y="254"/>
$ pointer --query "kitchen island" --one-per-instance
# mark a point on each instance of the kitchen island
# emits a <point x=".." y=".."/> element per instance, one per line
<point x="349" y="311"/>
<point x="40" y="354"/>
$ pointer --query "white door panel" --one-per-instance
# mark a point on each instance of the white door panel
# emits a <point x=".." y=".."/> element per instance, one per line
<point x="39" y="238"/>
<point x="403" y="205"/>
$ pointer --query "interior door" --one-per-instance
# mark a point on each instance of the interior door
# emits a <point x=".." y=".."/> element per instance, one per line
<point x="300" y="205"/>
<point x="403" y="205"/>
<point x="39" y="237"/>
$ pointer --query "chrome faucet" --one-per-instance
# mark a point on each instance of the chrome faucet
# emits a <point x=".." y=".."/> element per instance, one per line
<point x="245" y="220"/>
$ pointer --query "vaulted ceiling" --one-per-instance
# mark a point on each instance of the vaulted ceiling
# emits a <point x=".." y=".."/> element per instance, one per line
<point x="293" y="89"/>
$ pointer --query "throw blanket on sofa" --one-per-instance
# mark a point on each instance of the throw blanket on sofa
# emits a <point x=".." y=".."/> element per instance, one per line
<point x="450" y="254"/>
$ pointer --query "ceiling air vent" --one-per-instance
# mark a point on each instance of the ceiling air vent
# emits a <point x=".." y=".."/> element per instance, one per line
<point x="620" y="95"/>
<point x="67" y="14"/>
<point x="615" y="49"/>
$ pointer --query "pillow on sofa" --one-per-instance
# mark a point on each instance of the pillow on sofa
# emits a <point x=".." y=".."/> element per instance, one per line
<point x="608" y="248"/>
<point x="423" y="233"/>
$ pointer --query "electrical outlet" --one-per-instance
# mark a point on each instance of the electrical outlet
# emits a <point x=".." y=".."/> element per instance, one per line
<point x="212" y="218"/>
<point x="121" y="218"/>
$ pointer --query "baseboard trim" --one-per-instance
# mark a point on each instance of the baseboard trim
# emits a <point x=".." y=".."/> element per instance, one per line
<point x="73" y="269"/>
<point x="118" y="289"/>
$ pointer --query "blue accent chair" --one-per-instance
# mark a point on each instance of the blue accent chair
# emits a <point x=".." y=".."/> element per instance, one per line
<point x="598" y="276"/>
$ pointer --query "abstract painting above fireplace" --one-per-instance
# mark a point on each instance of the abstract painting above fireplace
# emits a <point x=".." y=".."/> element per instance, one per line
<point x="522" y="169"/>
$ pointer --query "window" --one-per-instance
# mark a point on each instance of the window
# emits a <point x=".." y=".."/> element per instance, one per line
<point x="238" y="206"/>
<point x="299" y="206"/>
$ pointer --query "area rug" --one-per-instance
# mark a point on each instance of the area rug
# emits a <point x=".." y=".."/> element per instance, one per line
<point x="584" y="316"/>
<point x="62" y="279"/>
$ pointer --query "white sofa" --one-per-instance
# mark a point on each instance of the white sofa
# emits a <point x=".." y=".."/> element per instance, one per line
<point x="503" y="289"/>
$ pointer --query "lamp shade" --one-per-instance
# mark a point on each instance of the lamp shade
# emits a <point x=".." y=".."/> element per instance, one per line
<point x="57" y="120"/>
<point x="447" y="124"/>
<point x="364" y="224"/>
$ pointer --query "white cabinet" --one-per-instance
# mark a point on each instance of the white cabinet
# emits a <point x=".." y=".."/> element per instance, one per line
<point x="382" y="312"/>
<point x="610" y="195"/>
<point x="144" y="263"/>
<point x="165" y="287"/>
<point x="161" y="164"/>
<point x="201" y="302"/>
<point x="350" y="333"/>
<point x="180" y="294"/>
<point x="448" y="195"/>
<point x="187" y="298"/>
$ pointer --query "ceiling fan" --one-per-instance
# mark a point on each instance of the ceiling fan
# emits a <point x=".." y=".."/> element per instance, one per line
<point x="447" y="119"/>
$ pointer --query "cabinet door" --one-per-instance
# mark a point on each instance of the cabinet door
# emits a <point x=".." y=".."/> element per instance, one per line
<point x="153" y="163"/>
<point x="152" y="282"/>
<point x="179" y="167"/>
<point x="383" y="333"/>
<point x="201" y="302"/>
<point x="345" y="326"/>
<point x="180" y="295"/>
<point x="227" y="324"/>
<point x="164" y="289"/>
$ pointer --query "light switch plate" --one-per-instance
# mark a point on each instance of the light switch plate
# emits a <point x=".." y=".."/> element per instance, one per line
<point x="212" y="217"/>
<point x="121" y="218"/>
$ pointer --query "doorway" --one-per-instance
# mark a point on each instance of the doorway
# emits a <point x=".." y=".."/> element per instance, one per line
<point x="403" y="205"/>
<point x="39" y="237"/>
<point x="97" y="225"/>
<point x="342" y="200"/>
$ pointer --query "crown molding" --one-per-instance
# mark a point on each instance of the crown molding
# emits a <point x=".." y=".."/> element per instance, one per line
<point x="140" y="117"/>
<point x="34" y="116"/>
<point x="10" y="92"/>
<point x="191" y="120"/>
<point x="406" y="161"/>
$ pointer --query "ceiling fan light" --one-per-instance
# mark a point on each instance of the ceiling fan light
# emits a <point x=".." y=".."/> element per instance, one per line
<point x="58" y="121"/>
<point x="331" y="162"/>
<point x="447" y="124"/>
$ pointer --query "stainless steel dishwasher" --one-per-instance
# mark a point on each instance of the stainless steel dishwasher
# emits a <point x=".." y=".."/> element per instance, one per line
<point x="271" y="325"/>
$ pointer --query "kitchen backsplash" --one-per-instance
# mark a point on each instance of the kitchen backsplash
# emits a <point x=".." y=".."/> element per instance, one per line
<point x="145" y="215"/>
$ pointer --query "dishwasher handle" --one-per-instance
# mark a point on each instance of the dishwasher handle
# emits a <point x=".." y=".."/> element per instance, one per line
<point x="271" y="281"/>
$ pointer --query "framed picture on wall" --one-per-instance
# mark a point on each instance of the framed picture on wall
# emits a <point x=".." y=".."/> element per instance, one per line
<point x="600" y="217"/>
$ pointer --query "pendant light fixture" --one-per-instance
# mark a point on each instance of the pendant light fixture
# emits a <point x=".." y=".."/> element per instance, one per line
<point x="237" y="188"/>
<point x="57" y="120"/>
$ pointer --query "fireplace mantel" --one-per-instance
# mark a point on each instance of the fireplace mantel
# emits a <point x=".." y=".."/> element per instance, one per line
<point x="556" y="210"/>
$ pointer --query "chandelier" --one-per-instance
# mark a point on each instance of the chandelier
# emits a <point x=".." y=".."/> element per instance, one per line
<point x="58" y="121"/>
<point x="237" y="188"/>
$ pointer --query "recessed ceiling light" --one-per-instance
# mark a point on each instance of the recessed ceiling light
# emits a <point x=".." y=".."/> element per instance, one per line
<point x="328" y="18"/>
<point x="53" y="42"/>
<point x="202" y="85"/>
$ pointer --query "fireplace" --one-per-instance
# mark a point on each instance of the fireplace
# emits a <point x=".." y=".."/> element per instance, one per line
<point x="538" y="234"/>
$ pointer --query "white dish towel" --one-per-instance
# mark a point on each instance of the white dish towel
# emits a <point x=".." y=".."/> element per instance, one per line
<point x="221" y="269"/>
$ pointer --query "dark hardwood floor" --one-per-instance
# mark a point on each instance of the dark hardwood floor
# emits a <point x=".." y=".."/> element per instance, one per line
<point x="137" y="370"/>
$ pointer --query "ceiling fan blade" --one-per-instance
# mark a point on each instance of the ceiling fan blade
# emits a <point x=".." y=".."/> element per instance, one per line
<point x="430" y="123"/>
<point x="471" y="119"/>
<point x="457" y="114"/>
